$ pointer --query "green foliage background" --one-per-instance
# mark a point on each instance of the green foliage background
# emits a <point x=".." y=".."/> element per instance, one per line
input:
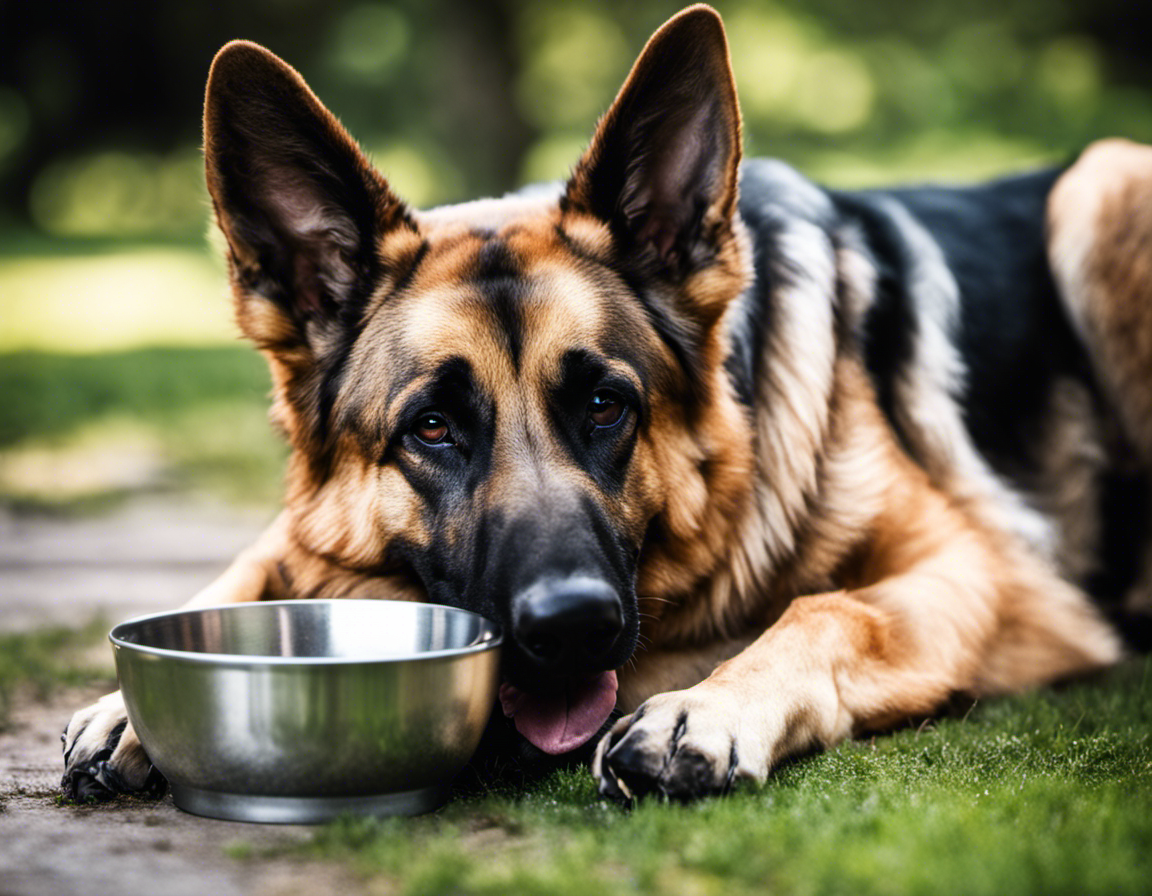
<point x="99" y="111"/>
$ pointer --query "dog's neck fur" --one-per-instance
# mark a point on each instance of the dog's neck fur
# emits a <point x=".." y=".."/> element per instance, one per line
<point x="788" y="537"/>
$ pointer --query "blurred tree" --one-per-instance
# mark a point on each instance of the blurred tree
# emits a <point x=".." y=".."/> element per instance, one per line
<point x="99" y="100"/>
<point x="118" y="73"/>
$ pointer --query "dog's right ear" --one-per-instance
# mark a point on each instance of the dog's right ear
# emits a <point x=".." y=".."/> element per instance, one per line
<point x="663" y="166"/>
<point x="301" y="207"/>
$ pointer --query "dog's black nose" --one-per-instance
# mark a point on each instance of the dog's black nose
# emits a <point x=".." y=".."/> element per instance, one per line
<point x="568" y="626"/>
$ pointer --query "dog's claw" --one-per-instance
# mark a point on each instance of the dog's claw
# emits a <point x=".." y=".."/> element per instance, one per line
<point x="84" y="786"/>
<point x="610" y="784"/>
<point x="613" y="788"/>
<point x="679" y="746"/>
<point x="103" y="757"/>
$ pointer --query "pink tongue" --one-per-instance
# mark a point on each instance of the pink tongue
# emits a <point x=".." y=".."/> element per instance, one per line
<point x="557" y="723"/>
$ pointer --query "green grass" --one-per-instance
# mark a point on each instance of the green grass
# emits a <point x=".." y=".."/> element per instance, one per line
<point x="50" y="395"/>
<point x="82" y="297"/>
<point x="1049" y="793"/>
<point x="50" y="658"/>
<point x="96" y="409"/>
<point x="1045" y="793"/>
<point x="79" y="432"/>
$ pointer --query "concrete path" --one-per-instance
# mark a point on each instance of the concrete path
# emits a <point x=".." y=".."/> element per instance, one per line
<point x="130" y="847"/>
<point x="147" y="558"/>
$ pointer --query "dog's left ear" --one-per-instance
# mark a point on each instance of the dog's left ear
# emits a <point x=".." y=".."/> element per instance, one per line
<point x="662" y="169"/>
<point x="301" y="207"/>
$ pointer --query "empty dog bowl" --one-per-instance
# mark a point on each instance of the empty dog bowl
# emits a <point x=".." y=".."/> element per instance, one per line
<point x="297" y="711"/>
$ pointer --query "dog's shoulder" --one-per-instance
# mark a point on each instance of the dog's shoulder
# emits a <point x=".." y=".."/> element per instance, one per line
<point x="945" y="296"/>
<point x="951" y="277"/>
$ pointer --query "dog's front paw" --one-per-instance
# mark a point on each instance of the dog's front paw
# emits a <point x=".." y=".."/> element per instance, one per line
<point x="682" y="745"/>
<point x="103" y="756"/>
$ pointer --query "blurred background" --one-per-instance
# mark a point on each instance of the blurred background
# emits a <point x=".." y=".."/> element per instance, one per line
<point x="121" y="374"/>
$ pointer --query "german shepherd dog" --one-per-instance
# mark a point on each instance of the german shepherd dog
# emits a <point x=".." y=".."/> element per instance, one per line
<point x="743" y="466"/>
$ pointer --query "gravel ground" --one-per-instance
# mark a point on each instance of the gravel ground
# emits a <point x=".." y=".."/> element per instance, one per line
<point x="146" y="558"/>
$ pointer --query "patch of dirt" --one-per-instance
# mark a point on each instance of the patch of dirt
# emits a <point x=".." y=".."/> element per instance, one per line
<point x="130" y="846"/>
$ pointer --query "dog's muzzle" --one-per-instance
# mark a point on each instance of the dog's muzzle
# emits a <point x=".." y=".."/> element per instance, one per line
<point x="567" y="629"/>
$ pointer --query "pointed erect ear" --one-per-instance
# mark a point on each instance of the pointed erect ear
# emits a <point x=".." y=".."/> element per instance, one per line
<point x="301" y="207"/>
<point x="663" y="166"/>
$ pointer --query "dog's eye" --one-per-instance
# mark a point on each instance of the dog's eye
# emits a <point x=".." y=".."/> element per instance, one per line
<point x="432" y="429"/>
<point x="605" y="409"/>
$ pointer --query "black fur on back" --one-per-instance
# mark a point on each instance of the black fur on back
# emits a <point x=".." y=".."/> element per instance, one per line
<point x="1012" y="332"/>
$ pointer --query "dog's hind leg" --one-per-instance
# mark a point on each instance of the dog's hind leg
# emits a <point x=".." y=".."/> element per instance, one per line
<point x="1100" y="252"/>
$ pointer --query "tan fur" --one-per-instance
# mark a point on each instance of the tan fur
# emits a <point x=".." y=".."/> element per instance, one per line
<point x="1100" y="220"/>
<point x="1068" y="487"/>
<point x="935" y="605"/>
<point x="963" y="608"/>
<point x="800" y="578"/>
<point x="1100" y="226"/>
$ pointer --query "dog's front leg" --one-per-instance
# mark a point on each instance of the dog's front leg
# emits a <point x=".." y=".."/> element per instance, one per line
<point x="961" y="612"/>
<point x="102" y="755"/>
<point x="809" y="681"/>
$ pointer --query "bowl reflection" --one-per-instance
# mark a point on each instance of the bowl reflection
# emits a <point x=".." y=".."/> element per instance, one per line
<point x="296" y="711"/>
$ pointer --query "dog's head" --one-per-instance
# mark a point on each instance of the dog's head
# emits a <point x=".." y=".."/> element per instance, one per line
<point x="518" y="403"/>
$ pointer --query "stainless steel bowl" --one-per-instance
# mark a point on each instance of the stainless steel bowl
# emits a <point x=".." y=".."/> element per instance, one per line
<point x="297" y="711"/>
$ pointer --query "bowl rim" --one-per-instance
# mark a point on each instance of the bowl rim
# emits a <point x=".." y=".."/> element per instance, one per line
<point x="490" y="640"/>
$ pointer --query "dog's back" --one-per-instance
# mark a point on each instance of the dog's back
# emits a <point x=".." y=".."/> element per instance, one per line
<point x="948" y="295"/>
